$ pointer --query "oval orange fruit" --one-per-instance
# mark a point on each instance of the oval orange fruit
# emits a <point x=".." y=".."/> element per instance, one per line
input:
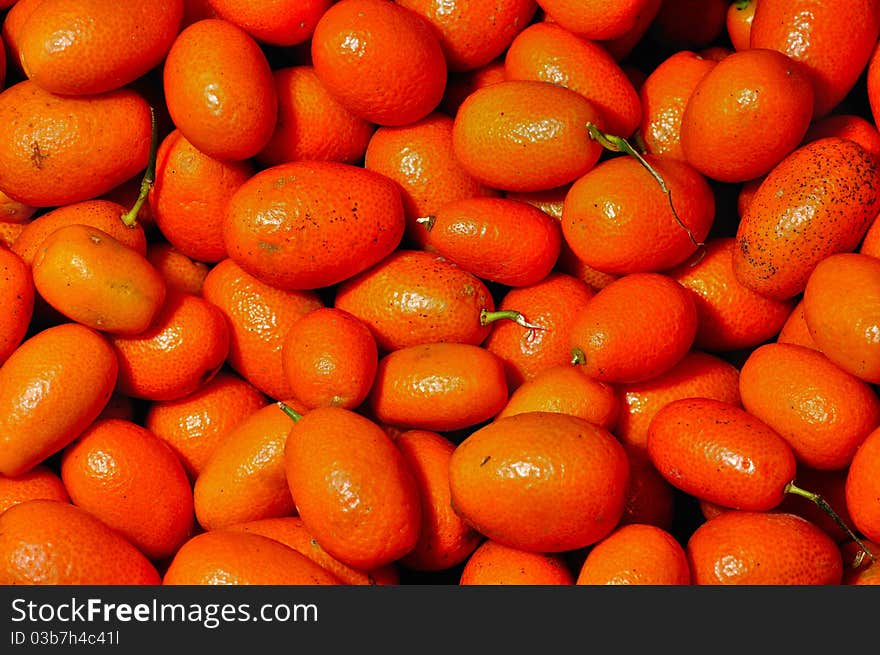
<point x="525" y="135"/>
<point x="438" y="386"/>
<point x="305" y="225"/>
<point x="380" y="60"/>
<point x="741" y="547"/>
<point x="47" y="542"/>
<point x="56" y="150"/>
<point x="92" y="278"/>
<point x="636" y="328"/>
<point x="219" y="91"/>
<point x="352" y="487"/>
<point x="542" y="482"/>
<point x="131" y="480"/>
<point x="76" y="47"/>
<point x="818" y="201"/>
<point x="51" y="389"/>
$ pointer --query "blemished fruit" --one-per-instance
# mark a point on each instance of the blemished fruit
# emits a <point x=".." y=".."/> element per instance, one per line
<point x="796" y="217"/>
<point x="55" y="150"/>
<point x="306" y="225"/>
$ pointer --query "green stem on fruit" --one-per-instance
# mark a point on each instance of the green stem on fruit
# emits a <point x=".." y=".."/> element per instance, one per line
<point x="130" y="217"/>
<point x="698" y="256"/>
<point x="639" y="142"/>
<point x="427" y="222"/>
<point x="287" y="409"/>
<point x="857" y="560"/>
<point x="742" y="4"/>
<point x="578" y="357"/>
<point x="792" y="488"/>
<point x="615" y="143"/>
<point x="487" y="317"/>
